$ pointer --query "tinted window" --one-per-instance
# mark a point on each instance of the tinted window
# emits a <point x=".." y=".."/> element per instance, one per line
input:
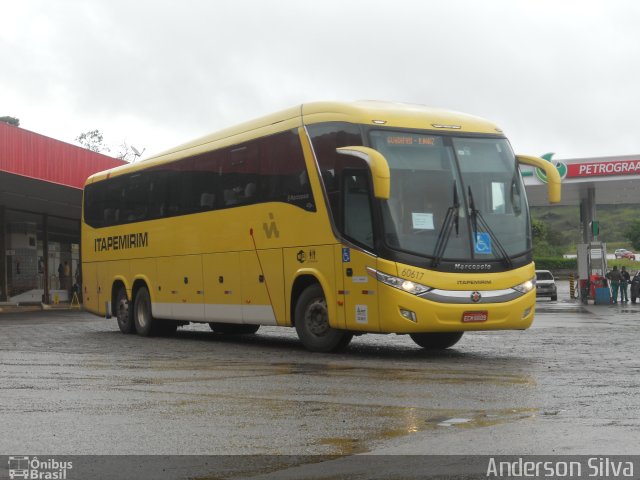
<point x="270" y="169"/>
<point x="283" y="172"/>
<point x="358" y="225"/>
<point x="326" y="138"/>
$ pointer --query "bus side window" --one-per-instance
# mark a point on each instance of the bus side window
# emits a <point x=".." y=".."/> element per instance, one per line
<point x="357" y="207"/>
<point x="283" y="173"/>
<point x="157" y="194"/>
<point x="239" y="175"/>
<point x="136" y="198"/>
<point x="95" y="209"/>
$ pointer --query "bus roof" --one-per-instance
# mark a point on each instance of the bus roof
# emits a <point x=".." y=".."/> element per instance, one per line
<point x="368" y="112"/>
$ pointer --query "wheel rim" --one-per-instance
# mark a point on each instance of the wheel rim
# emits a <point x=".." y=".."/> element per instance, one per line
<point x="317" y="318"/>
<point x="142" y="313"/>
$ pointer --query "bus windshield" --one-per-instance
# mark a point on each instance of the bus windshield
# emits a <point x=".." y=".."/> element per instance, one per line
<point x="455" y="198"/>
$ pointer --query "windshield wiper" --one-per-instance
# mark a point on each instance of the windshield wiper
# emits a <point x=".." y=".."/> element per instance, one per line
<point x="451" y="219"/>
<point x="476" y="217"/>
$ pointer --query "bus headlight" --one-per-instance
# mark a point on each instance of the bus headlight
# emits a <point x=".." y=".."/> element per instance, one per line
<point x="526" y="287"/>
<point x="399" y="283"/>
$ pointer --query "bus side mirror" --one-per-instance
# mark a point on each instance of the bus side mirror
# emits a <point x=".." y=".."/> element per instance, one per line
<point x="377" y="164"/>
<point x="553" y="177"/>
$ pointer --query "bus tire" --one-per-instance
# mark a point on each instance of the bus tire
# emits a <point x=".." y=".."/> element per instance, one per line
<point x="436" y="341"/>
<point x="124" y="312"/>
<point x="145" y="324"/>
<point x="312" y="323"/>
<point x="233" y="328"/>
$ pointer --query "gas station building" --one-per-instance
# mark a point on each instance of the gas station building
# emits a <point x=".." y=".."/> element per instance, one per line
<point x="41" y="181"/>
<point x="588" y="181"/>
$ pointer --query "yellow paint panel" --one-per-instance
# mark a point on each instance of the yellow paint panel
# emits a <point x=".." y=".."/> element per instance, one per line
<point x="90" y="295"/>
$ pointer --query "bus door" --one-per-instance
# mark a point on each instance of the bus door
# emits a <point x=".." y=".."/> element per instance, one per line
<point x="360" y="289"/>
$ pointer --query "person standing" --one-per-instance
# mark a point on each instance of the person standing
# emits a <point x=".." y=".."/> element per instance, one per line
<point x="67" y="277"/>
<point x="614" y="278"/>
<point x="625" y="278"/>
<point x="61" y="275"/>
<point x="635" y="287"/>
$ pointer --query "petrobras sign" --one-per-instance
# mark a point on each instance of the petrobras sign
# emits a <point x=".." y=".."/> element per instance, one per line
<point x="588" y="169"/>
<point x="599" y="169"/>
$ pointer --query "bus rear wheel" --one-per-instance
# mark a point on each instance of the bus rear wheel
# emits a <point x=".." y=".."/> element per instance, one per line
<point x="233" y="328"/>
<point x="144" y="321"/>
<point x="436" y="341"/>
<point x="312" y="323"/>
<point x="124" y="312"/>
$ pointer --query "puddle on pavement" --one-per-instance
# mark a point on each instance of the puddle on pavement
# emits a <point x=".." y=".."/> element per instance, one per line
<point x="406" y="421"/>
<point x="358" y="425"/>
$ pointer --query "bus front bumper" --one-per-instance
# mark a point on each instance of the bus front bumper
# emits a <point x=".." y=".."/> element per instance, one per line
<point x="401" y="312"/>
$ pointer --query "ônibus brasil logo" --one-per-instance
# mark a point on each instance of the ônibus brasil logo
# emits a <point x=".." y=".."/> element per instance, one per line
<point x="561" y="167"/>
<point x="33" y="468"/>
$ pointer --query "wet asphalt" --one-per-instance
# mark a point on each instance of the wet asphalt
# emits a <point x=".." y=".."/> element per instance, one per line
<point x="72" y="384"/>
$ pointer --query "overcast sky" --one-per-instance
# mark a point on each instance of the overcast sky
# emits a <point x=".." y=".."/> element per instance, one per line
<point x="556" y="75"/>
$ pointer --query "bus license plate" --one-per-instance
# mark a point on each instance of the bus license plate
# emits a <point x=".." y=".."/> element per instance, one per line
<point x="469" y="317"/>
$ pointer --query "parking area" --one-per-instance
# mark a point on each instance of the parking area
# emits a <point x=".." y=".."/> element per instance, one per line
<point x="73" y="384"/>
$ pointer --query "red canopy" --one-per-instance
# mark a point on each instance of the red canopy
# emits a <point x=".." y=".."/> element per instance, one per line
<point x="35" y="156"/>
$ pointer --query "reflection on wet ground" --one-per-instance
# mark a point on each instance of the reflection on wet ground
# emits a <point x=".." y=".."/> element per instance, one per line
<point x="82" y="387"/>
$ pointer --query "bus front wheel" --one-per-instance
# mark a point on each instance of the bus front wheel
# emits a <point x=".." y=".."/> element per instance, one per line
<point x="436" y="341"/>
<point x="312" y="323"/>
<point x="124" y="312"/>
<point x="144" y="321"/>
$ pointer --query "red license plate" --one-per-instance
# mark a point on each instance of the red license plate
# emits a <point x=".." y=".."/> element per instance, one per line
<point x="469" y="317"/>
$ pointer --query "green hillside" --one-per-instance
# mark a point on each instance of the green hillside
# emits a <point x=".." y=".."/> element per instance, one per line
<point x="563" y="224"/>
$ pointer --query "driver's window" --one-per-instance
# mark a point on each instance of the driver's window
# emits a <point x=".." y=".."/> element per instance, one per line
<point x="358" y="225"/>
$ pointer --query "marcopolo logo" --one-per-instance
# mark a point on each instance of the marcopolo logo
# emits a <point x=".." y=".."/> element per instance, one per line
<point x="35" y="468"/>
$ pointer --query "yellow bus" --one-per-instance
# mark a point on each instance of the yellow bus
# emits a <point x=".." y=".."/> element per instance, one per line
<point x="336" y="219"/>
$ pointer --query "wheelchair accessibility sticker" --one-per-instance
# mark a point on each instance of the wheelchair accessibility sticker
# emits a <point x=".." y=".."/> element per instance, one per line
<point x="483" y="243"/>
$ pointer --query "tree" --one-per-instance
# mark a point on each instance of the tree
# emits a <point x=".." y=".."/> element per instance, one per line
<point x="632" y="233"/>
<point x="93" y="140"/>
<point x="542" y="246"/>
<point x="11" y="121"/>
<point x="538" y="230"/>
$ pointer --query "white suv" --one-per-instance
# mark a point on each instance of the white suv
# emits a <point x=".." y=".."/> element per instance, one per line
<point x="546" y="285"/>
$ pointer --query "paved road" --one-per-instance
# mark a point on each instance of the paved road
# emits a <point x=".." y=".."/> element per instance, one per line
<point x="72" y="384"/>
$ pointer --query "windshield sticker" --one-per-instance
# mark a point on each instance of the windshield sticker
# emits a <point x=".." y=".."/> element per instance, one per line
<point x="422" y="221"/>
<point x="483" y="243"/>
